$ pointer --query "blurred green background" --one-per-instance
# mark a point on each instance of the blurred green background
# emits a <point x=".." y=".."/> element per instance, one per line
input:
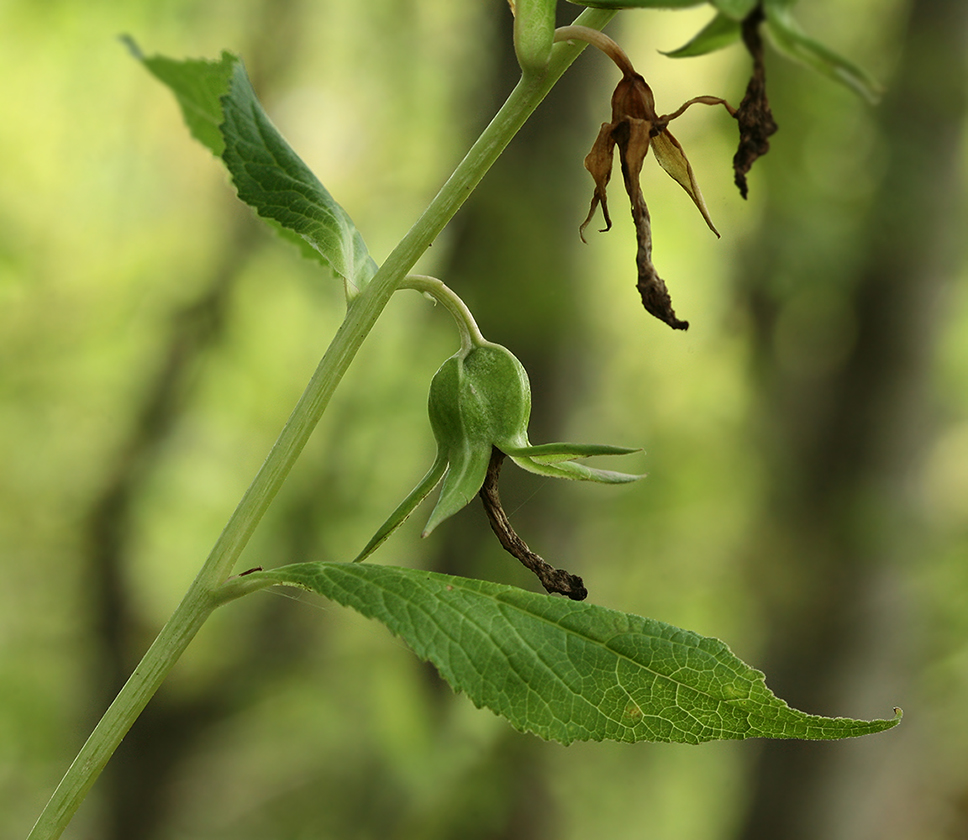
<point x="806" y="441"/>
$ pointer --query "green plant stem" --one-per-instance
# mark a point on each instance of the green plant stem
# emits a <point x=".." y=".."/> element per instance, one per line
<point x="205" y="594"/>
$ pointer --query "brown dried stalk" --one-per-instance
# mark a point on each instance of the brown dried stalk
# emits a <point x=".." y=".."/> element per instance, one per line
<point x="552" y="579"/>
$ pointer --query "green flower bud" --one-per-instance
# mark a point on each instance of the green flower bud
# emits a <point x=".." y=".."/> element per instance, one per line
<point x="484" y="396"/>
<point x="480" y="398"/>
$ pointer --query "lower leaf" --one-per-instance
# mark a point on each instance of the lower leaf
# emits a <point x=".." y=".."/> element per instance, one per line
<point x="568" y="670"/>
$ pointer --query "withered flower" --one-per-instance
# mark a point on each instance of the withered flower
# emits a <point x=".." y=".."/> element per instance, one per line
<point x="635" y="128"/>
<point x="754" y="116"/>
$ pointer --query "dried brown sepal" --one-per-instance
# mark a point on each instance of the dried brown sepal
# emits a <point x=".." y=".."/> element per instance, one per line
<point x="552" y="579"/>
<point x="754" y="116"/>
<point x="599" y="163"/>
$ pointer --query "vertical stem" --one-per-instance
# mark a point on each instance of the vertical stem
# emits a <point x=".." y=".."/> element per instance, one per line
<point x="361" y="316"/>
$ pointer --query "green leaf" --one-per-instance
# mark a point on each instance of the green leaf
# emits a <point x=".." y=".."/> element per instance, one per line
<point x="567" y="670"/>
<point x="790" y="40"/>
<point x="222" y="113"/>
<point x="721" y="31"/>
<point x="198" y="86"/>
<point x="273" y="179"/>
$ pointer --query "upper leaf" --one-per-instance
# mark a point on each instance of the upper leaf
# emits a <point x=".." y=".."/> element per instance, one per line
<point x="273" y="179"/>
<point x="790" y="40"/>
<point x="222" y="113"/>
<point x="565" y="670"/>
<point x="720" y="32"/>
<point x="198" y="86"/>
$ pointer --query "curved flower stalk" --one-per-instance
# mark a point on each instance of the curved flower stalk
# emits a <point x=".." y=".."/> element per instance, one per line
<point x="480" y="401"/>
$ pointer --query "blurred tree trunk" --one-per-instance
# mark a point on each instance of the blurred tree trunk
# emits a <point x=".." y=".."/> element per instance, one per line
<point x="848" y="412"/>
<point x="135" y="786"/>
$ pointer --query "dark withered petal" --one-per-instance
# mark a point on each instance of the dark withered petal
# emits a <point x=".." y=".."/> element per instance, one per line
<point x="754" y="116"/>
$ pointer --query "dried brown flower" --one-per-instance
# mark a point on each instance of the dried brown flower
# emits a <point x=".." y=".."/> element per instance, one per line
<point x="634" y="129"/>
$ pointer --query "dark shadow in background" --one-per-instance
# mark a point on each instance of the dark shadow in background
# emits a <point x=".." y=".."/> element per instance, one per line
<point x="846" y="443"/>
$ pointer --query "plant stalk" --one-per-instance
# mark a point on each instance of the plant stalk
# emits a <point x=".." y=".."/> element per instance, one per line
<point x="470" y="333"/>
<point x="362" y="313"/>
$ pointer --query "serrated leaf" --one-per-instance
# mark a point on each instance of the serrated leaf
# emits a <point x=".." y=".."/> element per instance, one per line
<point x="222" y="112"/>
<point x="198" y="86"/>
<point x="790" y="40"/>
<point x="273" y="179"/>
<point x="566" y="670"/>
<point x="720" y="32"/>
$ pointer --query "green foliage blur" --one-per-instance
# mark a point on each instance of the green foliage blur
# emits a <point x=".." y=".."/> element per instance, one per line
<point x="154" y="338"/>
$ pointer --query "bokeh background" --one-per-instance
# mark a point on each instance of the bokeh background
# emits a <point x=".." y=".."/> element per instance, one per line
<point x="806" y="441"/>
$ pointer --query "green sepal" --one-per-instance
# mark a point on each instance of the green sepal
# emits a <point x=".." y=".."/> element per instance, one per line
<point x="406" y="507"/>
<point x="483" y="395"/>
<point x="480" y="398"/>
<point x="462" y="482"/>
<point x="549" y="453"/>
<point x="789" y="39"/>
<point x="573" y="471"/>
<point x="497" y="382"/>
<point x="721" y="31"/>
